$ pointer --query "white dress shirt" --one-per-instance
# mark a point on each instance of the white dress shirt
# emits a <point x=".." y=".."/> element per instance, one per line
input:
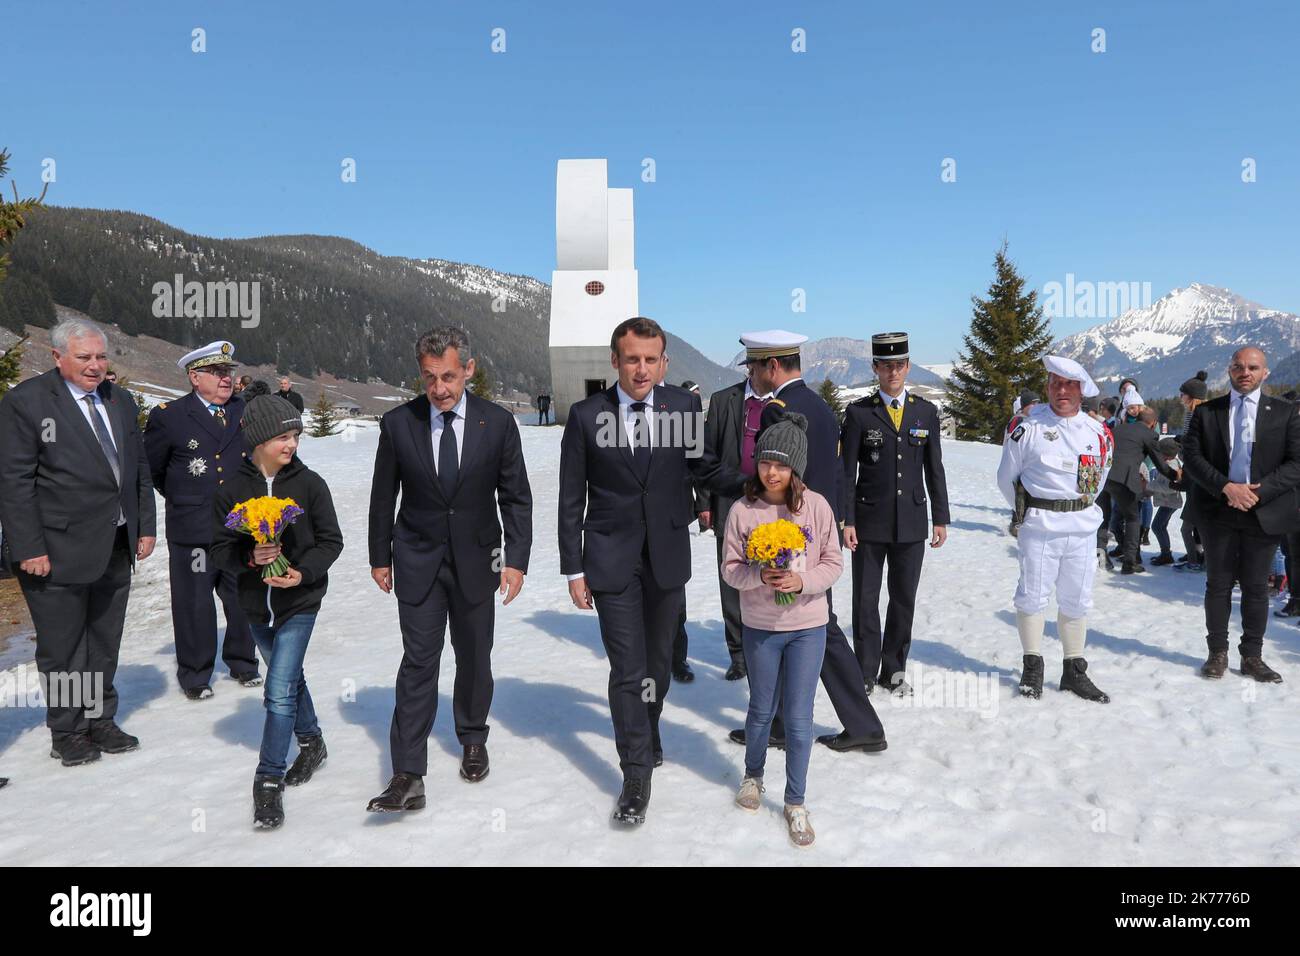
<point x="629" y="417"/>
<point x="889" y="399"/>
<point x="78" y="395"/>
<point x="457" y="429"/>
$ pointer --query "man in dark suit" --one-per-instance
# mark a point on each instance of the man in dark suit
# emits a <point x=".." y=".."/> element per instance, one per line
<point x="193" y="443"/>
<point x="777" y="370"/>
<point x="681" y="668"/>
<point x="730" y="430"/>
<point x="455" y="458"/>
<point x="1135" y="442"/>
<point x="1242" y="453"/>
<point x="626" y="462"/>
<point x="891" y="453"/>
<point x="288" y="394"/>
<point x="77" y="509"/>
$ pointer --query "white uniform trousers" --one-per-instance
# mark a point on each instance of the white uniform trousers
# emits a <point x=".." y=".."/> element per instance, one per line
<point x="1067" y="562"/>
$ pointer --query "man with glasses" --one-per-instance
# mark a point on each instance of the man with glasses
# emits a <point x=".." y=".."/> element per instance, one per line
<point x="890" y="449"/>
<point x="194" y="444"/>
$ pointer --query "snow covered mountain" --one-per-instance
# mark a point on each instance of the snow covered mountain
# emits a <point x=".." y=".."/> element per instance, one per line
<point x="1193" y="328"/>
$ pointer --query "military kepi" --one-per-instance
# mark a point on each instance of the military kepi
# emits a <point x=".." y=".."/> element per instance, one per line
<point x="214" y="353"/>
<point x="889" y="346"/>
<point x="774" y="343"/>
<point x="1069" y="368"/>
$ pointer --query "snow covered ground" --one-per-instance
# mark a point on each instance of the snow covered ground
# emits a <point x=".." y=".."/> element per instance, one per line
<point x="1176" y="770"/>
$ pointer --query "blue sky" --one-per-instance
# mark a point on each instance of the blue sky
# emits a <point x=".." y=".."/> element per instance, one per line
<point x="775" y="170"/>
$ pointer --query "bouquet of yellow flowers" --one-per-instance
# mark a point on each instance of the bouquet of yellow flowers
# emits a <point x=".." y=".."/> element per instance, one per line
<point x="776" y="544"/>
<point x="265" y="518"/>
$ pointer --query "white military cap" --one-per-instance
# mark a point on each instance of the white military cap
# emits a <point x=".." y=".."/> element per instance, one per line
<point x="214" y="353"/>
<point x="1069" y="368"/>
<point x="774" y="343"/>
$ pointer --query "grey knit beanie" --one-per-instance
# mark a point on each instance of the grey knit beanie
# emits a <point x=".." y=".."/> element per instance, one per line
<point x="785" y="441"/>
<point x="267" y="416"/>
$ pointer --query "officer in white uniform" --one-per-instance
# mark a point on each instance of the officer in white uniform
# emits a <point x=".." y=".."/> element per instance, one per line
<point x="1054" y="464"/>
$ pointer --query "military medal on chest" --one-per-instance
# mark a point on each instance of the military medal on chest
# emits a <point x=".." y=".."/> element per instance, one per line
<point x="192" y="444"/>
<point x="197" y="467"/>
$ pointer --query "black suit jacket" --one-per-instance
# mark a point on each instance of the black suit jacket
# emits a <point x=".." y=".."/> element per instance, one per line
<point x="190" y="457"/>
<point x="724" y="432"/>
<point x="822" y="473"/>
<point x="1274" y="466"/>
<point x="58" y="496"/>
<point x="607" y="515"/>
<point x="491" y="475"/>
<point x="1135" y="443"/>
<point x="883" y="507"/>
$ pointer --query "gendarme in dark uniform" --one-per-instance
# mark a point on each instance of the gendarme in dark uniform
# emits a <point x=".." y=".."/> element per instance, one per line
<point x="888" y="469"/>
<point x="191" y="450"/>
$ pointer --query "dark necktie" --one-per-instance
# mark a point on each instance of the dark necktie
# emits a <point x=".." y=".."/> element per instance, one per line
<point x="640" y="440"/>
<point x="219" y="414"/>
<point x="105" y="440"/>
<point x="753" y="417"/>
<point x="448" y="466"/>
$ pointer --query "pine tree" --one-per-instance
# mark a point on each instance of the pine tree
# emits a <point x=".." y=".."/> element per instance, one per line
<point x="11" y="366"/>
<point x="830" y="394"/>
<point x="13" y="215"/>
<point x="479" y="384"/>
<point x="323" y="417"/>
<point x="1003" y="356"/>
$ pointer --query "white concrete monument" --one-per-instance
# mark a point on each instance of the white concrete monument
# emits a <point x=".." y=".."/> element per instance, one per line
<point x="594" y="285"/>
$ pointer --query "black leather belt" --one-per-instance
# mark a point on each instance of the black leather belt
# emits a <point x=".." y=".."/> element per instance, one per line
<point x="1059" y="504"/>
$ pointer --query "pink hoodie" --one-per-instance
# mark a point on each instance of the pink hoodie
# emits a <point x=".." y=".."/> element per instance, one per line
<point x="758" y="607"/>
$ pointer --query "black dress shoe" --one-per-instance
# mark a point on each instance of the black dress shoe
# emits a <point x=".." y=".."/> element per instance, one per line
<point x="405" y="792"/>
<point x="474" y="763"/>
<point x="843" y="743"/>
<point x="74" y="750"/>
<point x="248" y="679"/>
<point x="736" y="671"/>
<point x="198" y="693"/>
<point x="683" y="674"/>
<point x="773" y="741"/>
<point x="633" y="801"/>
<point x="111" y="738"/>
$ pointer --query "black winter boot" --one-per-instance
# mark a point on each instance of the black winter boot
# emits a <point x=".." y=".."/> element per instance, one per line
<point x="1074" y="678"/>
<point x="311" y="754"/>
<point x="1031" y="677"/>
<point x="268" y="802"/>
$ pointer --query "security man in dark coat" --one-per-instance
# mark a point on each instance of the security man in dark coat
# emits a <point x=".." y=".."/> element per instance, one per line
<point x="193" y="443"/>
<point x="1135" y="442"/>
<point x="891" y="456"/>
<point x="776" y="369"/>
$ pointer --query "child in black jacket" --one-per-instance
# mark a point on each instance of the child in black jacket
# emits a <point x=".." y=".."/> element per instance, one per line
<point x="281" y="610"/>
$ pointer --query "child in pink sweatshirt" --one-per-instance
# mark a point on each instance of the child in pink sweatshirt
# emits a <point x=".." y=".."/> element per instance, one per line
<point x="783" y="642"/>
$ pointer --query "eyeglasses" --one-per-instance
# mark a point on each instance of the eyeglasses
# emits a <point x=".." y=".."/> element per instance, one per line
<point x="218" y="371"/>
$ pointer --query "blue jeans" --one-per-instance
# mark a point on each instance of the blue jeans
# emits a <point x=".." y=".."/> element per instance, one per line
<point x="788" y="663"/>
<point x="288" y="705"/>
<point x="1161" y="527"/>
<point x="1147" y="509"/>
